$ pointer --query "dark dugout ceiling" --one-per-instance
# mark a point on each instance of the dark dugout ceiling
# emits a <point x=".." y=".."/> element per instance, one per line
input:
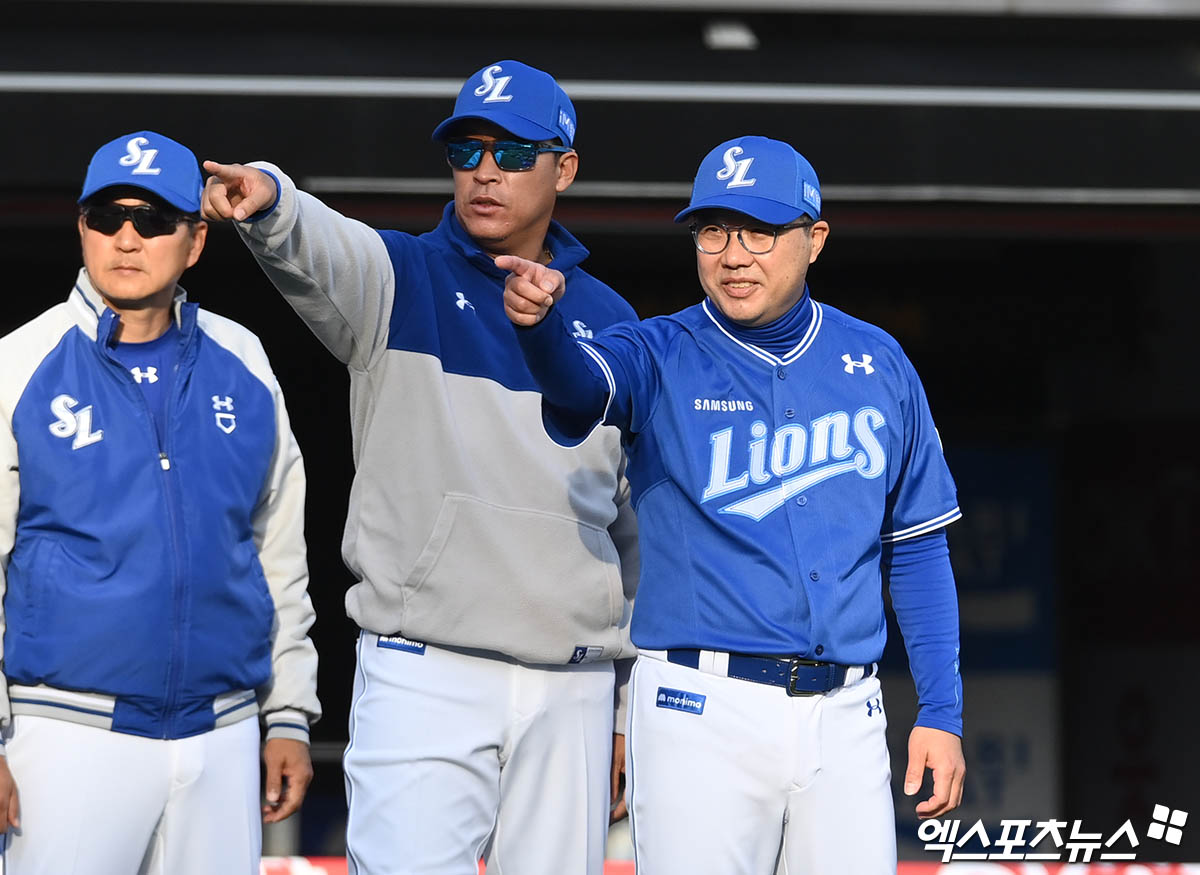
<point x="1039" y="106"/>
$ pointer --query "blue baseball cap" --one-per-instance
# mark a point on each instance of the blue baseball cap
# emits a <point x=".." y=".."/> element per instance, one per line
<point x="766" y="179"/>
<point x="149" y="161"/>
<point x="523" y="100"/>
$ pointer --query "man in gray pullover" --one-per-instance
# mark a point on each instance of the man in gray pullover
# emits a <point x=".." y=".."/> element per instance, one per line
<point x="496" y="569"/>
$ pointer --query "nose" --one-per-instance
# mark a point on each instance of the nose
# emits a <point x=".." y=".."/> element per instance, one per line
<point x="487" y="170"/>
<point x="735" y="254"/>
<point x="127" y="239"/>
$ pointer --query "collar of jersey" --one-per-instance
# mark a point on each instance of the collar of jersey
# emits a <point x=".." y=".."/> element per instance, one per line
<point x="814" y="327"/>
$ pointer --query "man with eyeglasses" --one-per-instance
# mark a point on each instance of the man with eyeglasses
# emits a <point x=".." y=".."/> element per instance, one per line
<point x="495" y="568"/>
<point x="783" y="459"/>
<point x="152" y="557"/>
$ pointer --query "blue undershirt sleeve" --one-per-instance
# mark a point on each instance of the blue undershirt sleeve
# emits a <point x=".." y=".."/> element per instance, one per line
<point x="576" y="388"/>
<point x="918" y="575"/>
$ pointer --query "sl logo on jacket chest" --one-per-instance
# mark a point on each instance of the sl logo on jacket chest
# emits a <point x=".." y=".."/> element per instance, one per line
<point x="72" y="424"/>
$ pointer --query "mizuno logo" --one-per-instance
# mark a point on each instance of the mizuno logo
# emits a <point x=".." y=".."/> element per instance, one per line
<point x="851" y="364"/>
<point x="72" y="424"/>
<point x="735" y="171"/>
<point x="824" y="446"/>
<point x="150" y="375"/>
<point x="495" y="85"/>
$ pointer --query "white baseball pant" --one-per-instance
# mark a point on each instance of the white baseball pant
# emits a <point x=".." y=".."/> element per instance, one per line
<point x="733" y="777"/>
<point x="96" y="802"/>
<point x="458" y="756"/>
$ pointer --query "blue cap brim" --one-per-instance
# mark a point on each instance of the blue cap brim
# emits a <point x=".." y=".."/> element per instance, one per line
<point x="763" y="209"/>
<point x="174" y="198"/>
<point x="516" y="125"/>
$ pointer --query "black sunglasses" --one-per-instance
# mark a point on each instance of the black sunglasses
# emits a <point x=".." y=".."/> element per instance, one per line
<point x="509" y="154"/>
<point x="148" y="221"/>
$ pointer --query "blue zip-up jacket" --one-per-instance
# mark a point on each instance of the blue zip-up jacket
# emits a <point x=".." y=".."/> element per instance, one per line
<point x="154" y="588"/>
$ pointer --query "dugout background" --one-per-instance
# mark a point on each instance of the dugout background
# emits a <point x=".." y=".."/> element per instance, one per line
<point x="1013" y="192"/>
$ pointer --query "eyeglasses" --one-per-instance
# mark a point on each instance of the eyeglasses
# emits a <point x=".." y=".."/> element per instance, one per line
<point x="148" y="221"/>
<point x="509" y="154"/>
<point x="712" y="237"/>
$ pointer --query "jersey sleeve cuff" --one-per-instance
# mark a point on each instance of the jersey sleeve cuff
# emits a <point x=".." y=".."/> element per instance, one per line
<point x="922" y="528"/>
<point x="266" y="211"/>
<point x="287" y="724"/>
<point x="953" y="725"/>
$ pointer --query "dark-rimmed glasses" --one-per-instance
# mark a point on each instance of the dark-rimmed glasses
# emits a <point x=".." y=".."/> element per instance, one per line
<point x="712" y="238"/>
<point x="148" y="220"/>
<point x="509" y="154"/>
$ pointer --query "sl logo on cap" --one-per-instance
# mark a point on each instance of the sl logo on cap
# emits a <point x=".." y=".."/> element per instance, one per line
<point x="495" y="85"/>
<point x="735" y="169"/>
<point x="143" y="158"/>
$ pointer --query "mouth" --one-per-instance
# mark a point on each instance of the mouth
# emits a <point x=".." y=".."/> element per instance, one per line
<point x="126" y="269"/>
<point x="485" y="205"/>
<point x="738" y="288"/>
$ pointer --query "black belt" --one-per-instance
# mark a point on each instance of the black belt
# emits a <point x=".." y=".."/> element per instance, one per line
<point x="800" y="677"/>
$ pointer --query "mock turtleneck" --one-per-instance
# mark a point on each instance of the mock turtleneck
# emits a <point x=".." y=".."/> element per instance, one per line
<point x="777" y="337"/>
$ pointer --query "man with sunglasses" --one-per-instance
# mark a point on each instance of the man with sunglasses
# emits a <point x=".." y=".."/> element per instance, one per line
<point x="495" y="569"/>
<point x="783" y="459"/>
<point x="152" y="556"/>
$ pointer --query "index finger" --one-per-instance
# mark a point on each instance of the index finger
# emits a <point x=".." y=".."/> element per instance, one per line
<point x="226" y="172"/>
<point x="522" y="267"/>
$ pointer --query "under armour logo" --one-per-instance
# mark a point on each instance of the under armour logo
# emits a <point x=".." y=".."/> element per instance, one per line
<point x="581" y="329"/>
<point x="226" y="421"/>
<point x="71" y="424"/>
<point x="150" y="375"/>
<point x="851" y="364"/>
<point x="462" y="303"/>
<point x="143" y="158"/>
<point x="495" y="85"/>
<point x="874" y="706"/>
<point x="735" y="171"/>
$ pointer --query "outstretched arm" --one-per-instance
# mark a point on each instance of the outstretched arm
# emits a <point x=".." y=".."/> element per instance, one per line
<point x="576" y="390"/>
<point x="336" y="272"/>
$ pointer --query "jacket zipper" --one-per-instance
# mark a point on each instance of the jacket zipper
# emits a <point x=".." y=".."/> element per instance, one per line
<point x="170" y="498"/>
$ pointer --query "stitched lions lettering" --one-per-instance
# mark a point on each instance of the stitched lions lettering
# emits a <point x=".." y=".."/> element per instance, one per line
<point x="825" y="447"/>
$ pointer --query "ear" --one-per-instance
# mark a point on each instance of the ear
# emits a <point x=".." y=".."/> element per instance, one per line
<point x="817" y="234"/>
<point x="199" y="235"/>
<point x="82" y="227"/>
<point x="568" y="166"/>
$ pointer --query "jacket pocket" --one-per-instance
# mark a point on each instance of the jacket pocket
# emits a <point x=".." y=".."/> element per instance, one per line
<point x="526" y="582"/>
<point x="32" y="572"/>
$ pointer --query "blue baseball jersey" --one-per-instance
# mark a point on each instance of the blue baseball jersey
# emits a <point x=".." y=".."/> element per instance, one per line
<point x="766" y="484"/>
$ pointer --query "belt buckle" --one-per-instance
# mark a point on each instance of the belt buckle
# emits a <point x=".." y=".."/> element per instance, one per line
<point x="793" y="672"/>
